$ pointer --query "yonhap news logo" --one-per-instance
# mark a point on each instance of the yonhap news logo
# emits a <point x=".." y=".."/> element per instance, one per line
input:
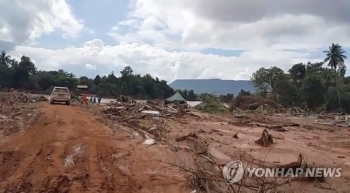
<point x="234" y="171"/>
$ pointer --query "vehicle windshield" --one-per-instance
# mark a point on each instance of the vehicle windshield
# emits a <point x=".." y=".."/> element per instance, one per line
<point x="61" y="90"/>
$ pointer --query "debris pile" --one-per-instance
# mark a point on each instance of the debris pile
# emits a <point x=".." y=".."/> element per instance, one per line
<point x="264" y="108"/>
<point x="145" y="118"/>
<point x="15" y="114"/>
<point x="255" y="103"/>
<point x="126" y="109"/>
<point x="34" y="99"/>
<point x="295" y="111"/>
<point x="212" y="104"/>
<point x="18" y="97"/>
<point x="125" y="99"/>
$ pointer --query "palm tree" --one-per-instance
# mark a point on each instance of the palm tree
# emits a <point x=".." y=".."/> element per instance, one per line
<point x="335" y="57"/>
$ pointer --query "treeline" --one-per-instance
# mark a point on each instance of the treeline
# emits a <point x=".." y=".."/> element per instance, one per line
<point x="315" y="86"/>
<point x="191" y="96"/>
<point x="320" y="86"/>
<point x="23" y="75"/>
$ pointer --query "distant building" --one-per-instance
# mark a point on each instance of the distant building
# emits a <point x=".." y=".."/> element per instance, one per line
<point x="175" y="98"/>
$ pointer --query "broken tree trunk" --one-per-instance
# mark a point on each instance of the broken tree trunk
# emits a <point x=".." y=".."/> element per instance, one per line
<point x="292" y="168"/>
<point x="265" y="139"/>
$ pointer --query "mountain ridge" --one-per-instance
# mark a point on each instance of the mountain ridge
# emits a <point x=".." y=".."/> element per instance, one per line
<point x="215" y="85"/>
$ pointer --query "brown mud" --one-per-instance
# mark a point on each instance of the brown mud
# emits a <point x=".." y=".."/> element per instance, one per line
<point x="67" y="149"/>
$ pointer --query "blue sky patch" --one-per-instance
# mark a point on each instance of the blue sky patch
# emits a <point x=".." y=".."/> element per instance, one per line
<point x="222" y="52"/>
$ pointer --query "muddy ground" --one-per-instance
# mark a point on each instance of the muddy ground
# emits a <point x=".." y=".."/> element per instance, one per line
<point x="71" y="149"/>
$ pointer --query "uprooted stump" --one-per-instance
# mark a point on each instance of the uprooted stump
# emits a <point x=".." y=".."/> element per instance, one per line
<point x="265" y="139"/>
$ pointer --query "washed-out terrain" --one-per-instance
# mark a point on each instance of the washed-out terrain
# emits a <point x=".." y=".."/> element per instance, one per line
<point x="128" y="146"/>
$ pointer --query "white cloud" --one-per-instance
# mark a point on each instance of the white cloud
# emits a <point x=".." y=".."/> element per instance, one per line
<point x="262" y="28"/>
<point x="22" y="21"/>
<point x="160" y="62"/>
<point x="206" y="24"/>
<point x="90" y="66"/>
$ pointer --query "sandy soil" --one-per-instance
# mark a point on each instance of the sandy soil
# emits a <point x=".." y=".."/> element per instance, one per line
<point x="68" y="149"/>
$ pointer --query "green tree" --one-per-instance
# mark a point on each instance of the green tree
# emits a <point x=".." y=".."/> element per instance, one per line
<point x="4" y="58"/>
<point x="97" y="80"/>
<point x="298" y="73"/>
<point x="312" y="91"/>
<point x="335" y="57"/>
<point x="6" y="73"/>
<point x="227" y="98"/>
<point x="266" y="81"/>
<point x="23" y="71"/>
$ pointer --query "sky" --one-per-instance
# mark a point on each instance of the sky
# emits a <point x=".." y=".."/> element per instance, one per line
<point x="173" y="39"/>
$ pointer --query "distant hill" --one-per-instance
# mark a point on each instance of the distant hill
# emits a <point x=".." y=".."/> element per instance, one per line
<point x="220" y="87"/>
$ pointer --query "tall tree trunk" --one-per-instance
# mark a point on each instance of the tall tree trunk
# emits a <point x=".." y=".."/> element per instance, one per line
<point x="336" y="84"/>
<point x="325" y="103"/>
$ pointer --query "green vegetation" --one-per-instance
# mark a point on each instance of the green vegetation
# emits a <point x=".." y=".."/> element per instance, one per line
<point x="320" y="86"/>
<point x="24" y="75"/>
<point x="311" y="86"/>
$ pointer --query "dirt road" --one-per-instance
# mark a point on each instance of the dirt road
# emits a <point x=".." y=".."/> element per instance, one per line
<point x="68" y="150"/>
